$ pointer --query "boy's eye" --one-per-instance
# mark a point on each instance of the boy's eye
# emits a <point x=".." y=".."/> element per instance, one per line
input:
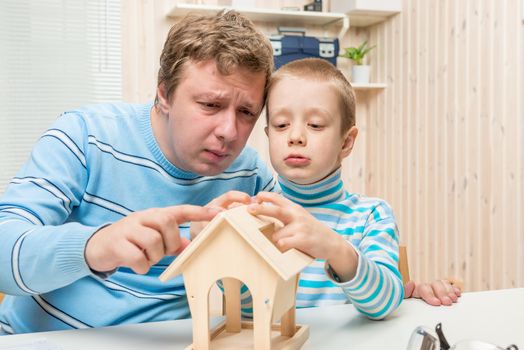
<point x="315" y="126"/>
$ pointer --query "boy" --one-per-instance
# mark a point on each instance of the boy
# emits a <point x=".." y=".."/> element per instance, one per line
<point x="354" y="239"/>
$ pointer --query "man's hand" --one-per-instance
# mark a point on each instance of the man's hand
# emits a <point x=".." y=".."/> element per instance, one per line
<point x="141" y="239"/>
<point x="436" y="293"/>
<point x="226" y="201"/>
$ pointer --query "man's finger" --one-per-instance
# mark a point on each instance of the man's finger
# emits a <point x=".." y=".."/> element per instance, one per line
<point x="134" y="258"/>
<point x="187" y="212"/>
<point x="184" y="242"/>
<point x="150" y="241"/>
<point x="231" y="197"/>
<point x="165" y="223"/>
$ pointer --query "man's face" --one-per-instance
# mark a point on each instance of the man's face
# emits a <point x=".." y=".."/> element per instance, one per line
<point x="304" y="129"/>
<point x="210" y="117"/>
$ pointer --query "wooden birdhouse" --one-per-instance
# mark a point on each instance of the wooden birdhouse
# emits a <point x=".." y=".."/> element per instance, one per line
<point x="234" y="247"/>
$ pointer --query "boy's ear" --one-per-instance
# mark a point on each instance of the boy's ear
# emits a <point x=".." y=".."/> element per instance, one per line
<point x="163" y="102"/>
<point x="349" y="141"/>
<point x="266" y="130"/>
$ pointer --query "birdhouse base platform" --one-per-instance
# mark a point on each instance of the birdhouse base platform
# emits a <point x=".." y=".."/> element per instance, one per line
<point x="222" y="339"/>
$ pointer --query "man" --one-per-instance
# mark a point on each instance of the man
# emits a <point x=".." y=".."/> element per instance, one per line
<point x="79" y="245"/>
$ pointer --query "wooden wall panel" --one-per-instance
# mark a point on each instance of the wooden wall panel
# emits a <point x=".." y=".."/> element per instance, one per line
<point x="459" y="152"/>
<point x="443" y="144"/>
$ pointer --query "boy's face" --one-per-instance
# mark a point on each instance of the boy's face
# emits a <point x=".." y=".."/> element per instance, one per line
<point x="210" y="117"/>
<point x="304" y="130"/>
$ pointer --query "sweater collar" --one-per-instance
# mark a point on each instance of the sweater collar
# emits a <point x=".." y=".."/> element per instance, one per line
<point x="327" y="190"/>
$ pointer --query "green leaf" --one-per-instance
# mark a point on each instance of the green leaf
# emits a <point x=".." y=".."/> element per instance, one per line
<point x="357" y="54"/>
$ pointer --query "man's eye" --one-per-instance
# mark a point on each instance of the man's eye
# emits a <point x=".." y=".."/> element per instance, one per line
<point x="209" y="105"/>
<point x="248" y="113"/>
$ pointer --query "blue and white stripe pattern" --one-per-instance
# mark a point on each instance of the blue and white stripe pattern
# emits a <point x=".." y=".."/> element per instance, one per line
<point x="94" y="166"/>
<point x="366" y="223"/>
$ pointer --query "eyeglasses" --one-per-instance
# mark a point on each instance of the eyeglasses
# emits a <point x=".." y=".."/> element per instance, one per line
<point x="423" y="338"/>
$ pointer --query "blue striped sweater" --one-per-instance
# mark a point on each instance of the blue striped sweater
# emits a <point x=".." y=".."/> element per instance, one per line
<point x="94" y="166"/>
<point x="369" y="226"/>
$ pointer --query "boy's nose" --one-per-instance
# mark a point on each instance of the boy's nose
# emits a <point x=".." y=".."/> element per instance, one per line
<point x="296" y="138"/>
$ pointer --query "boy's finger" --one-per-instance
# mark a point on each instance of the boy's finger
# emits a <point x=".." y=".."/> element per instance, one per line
<point x="441" y="290"/>
<point x="283" y="233"/>
<point x="425" y="291"/>
<point x="272" y="197"/>
<point x="273" y="211"/>
<point x="408" y="289"/>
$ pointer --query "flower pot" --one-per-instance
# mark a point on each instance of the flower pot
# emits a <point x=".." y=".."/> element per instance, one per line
<point x="360" y="74"/>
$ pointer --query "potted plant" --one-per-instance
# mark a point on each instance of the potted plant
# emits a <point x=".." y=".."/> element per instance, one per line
<point x="359" y="72"/>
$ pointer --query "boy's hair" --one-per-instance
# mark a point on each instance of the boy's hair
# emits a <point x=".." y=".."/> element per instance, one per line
<point x="228" y="38"/>
<point x="320" y="70"/>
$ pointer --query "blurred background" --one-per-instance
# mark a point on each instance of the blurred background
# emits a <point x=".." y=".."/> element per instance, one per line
<point x="441" y="121"/>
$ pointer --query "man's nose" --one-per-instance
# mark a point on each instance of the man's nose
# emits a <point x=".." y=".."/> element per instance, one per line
<point x="227" y="126"/>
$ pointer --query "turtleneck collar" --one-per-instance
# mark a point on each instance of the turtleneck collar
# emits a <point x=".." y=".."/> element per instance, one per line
<point x="327" y="190"/>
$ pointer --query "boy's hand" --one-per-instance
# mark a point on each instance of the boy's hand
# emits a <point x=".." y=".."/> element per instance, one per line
<point x="305" y="233"/>
<point x="141" y="239"/>
<point x="436" y="293"/>
<point x="226" y="201"/>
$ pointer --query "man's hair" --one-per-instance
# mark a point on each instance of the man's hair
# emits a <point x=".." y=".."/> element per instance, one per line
<point x="228" y="38"/>
<point x="317" y="69"/>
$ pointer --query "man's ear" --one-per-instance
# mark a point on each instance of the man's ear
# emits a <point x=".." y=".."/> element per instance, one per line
<point x="266" y="130"/>
<point x="163" y="101"/>
<point x="349" y="141"/>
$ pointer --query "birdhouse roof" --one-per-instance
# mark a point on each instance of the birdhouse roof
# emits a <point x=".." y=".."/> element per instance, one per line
<point x="249" y="227"/>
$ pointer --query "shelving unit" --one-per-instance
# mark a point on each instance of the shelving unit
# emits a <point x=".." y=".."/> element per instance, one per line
<point x="292" y="18"/>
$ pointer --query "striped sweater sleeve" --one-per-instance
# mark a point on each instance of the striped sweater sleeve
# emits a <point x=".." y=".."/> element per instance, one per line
<point x="376" y="290"/>
<point x="39" y="251"/>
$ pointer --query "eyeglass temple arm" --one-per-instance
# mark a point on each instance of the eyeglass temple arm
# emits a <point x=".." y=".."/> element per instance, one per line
<point x="444" y="345"/>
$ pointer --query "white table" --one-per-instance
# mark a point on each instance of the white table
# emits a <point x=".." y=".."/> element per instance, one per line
<point x="493" y="316"/>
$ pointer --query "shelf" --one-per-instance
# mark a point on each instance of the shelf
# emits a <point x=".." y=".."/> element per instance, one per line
<point x="365" y="19"/>
<point x="300" y="18"/>
<point x="363" y="13"/>
<point x="370" y="86"/>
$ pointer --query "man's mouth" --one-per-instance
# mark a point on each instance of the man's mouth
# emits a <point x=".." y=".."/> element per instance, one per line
<point x="218" y="154"/>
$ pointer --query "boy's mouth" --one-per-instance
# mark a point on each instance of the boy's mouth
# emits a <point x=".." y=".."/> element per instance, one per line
<point x="297" y="160"/>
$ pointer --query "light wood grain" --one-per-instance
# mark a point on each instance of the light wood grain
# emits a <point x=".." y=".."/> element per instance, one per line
<point x="442" y="143"/>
